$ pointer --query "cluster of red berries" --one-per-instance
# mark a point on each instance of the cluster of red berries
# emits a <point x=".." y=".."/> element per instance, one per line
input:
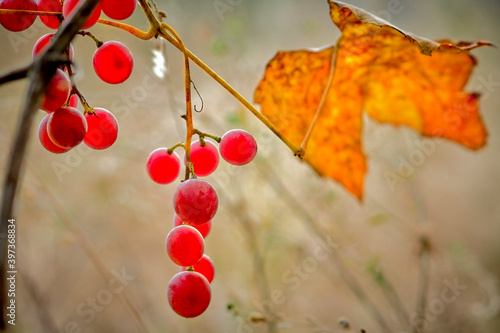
<point x="195" y="205"/>
<point x="65" y="127"/>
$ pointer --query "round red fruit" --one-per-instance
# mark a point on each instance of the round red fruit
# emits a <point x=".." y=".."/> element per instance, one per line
<point x="185" y="245"/>
<point x="205" y="267"/>
<point x="195" y="201"/>
<point x="46" y="142"/>
<point x="102" y="129"/>
<point x="113" y="62"/>
<point x="67" y="127"/>
<point x="205" y="158"/>
<point x="50" y="6"/>
<point x="17" y="22"/>
<point x="204" y="228"/>
<point x="238" y="147"/>
<point x="189" y="294"/>
<point x="163" y="167"/>
<point x="118" y="9"/>
<point x="56" y="92"/>
<point x="70" y="5"/>
<point x="42" y="43"/>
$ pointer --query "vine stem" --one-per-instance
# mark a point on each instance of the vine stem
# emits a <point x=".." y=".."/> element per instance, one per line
<point x="156" y="28"/>
<point x="29" y="12"/>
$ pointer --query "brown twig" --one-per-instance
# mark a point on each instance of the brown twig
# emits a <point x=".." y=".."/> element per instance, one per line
<point x="16" y="74"/>
<point x="43" y="68"/>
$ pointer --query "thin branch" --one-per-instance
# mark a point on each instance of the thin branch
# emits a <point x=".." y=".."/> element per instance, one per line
<point x="16" y="74"/>
<point x="43" y="68"/>
<point x="423" y="284"/>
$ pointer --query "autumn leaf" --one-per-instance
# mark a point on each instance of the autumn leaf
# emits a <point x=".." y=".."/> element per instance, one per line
<point x="316" y="97"/>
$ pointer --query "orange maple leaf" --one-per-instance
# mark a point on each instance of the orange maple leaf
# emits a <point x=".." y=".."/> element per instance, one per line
<point x="316" y="97"/>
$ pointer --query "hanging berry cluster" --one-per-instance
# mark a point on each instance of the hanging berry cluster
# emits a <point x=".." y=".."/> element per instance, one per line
<point x="195" y="204"/>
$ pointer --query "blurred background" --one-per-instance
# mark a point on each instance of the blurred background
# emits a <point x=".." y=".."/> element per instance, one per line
<point x="293" y="252"/>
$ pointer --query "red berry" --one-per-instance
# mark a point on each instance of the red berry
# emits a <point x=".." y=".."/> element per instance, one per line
<point x="102" y="129"/>
<point x="42" y="43"/>
<point x="195" y="201"/>
<point x="118" y="9"/>
<point x="66" y="127"/>
<point x="204" y="158"/>
<point x="113" y="62"/>
<point x="204" y="228"/>
<point x="188" y="294"/>
<point x="185" y="245"/>
<point x="50" y="6"/>
<point x="163" y="167"/>
<point x="56" y="92"/>
<point x="70" y="5"/>
<point x="46" y="142"/>
<point x="17" y="22"/>
<point x="73" y="100"/>
<point x="238" y="147"/>
<point x="205" y="267"/>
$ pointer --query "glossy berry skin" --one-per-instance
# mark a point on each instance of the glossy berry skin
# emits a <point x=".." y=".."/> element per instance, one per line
<point x="46" y="142"/>
<point x="17" y="22"/>
<point x="70" y="5"/>
<point x="113" y="62"/>
<point x="238" y="147"/>
<point x="118" y="9"/>
<point x="185" y="245"/>
<point x="204" y="158"/>
<point x="57" y="92"/>
<point x="44" y="41"/>
<point x="204" y="228"/>
<point x="163" y="167"/>
<point x="66" y="127"/>
<point x="205" y="267"/>
<point x="195" y="201"/>
<point x="50" y="6"/>
<point x="102" y="129"/>
<point x="188" y="294"/>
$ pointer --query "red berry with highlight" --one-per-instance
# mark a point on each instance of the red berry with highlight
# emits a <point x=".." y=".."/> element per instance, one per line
<point x="17" y="22"/>
<point x="238" y="147"/>
<point x="185" y="245"/>
<point x="118" y="9"/>
<point x="188" y="294"/>
<point x="50" y="6"/>
<point x="67" y="127"/>
<point x="195" y="201"/>
<point x="205" y="267"/>
<point x="43" y="42"/>
<point x="204" y="228"/>
<point x="56" y="92"/>
<point x="102" y="129"/>
<point x="113" y="62"/>
<point x="70" y="5"/>
<point x="204" y="158"/>
<point x="46" y="142"/>
<point x="163" y="167"/>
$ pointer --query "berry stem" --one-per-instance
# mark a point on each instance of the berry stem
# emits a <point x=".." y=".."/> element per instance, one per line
<point x="171" y="149"/>
<point x="97" y="41"/>
<point x="202" y="135"/>
<point x="74" y="90"/>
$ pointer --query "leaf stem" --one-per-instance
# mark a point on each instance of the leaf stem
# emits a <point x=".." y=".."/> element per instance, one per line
<point x="303" y="145"/>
